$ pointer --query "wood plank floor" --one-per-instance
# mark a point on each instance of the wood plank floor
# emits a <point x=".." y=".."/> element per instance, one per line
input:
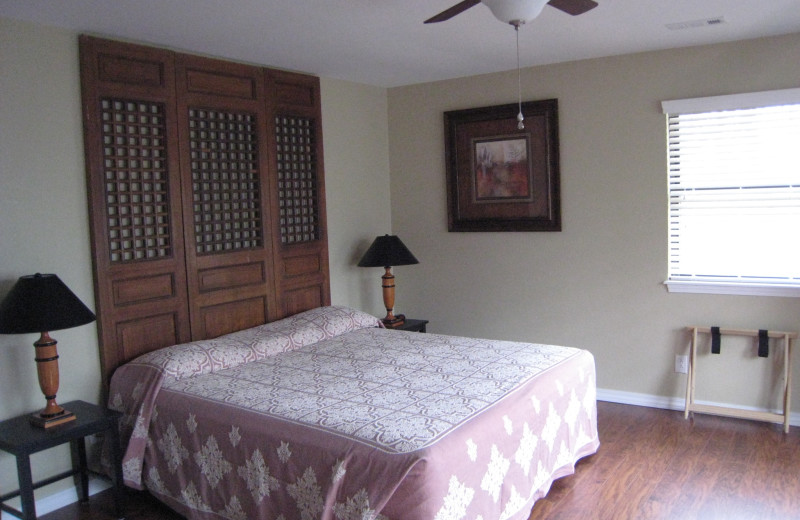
<point x="652" y="464"/>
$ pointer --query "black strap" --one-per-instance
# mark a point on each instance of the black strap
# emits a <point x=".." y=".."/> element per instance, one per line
<point x="715" y="340"/>
<point x="763" y="343"/>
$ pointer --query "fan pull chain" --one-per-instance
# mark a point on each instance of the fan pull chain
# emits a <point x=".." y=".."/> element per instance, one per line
<point x="520" y="117"/>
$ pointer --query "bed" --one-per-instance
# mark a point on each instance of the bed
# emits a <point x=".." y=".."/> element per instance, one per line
<point x="327" y="415"/>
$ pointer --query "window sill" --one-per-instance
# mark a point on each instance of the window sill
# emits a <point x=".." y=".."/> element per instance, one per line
<point x="741" y="289"/>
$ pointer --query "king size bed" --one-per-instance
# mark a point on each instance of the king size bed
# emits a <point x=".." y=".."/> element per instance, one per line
<point x="327" y="415"/>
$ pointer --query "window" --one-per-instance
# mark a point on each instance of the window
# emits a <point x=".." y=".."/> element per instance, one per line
<point x="734" y="193"/>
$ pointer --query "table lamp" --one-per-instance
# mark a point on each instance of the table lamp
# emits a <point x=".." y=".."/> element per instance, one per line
<point x="385" y="252"/>
<point x="40" y="303"/>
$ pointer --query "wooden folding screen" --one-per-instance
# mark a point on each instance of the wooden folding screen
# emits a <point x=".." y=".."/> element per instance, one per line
<point x="206" y="195"/>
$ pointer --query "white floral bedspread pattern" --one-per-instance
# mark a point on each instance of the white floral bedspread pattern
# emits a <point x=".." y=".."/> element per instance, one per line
<point x="480" y="428"/>
<point x="397" y="393"/>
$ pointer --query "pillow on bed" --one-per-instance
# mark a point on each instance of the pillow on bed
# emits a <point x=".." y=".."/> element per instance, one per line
<point x="236" y="348"/>
<point x="326" y="322"/>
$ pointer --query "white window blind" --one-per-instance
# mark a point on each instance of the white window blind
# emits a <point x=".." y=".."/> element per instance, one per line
<point x="734" y="190"/>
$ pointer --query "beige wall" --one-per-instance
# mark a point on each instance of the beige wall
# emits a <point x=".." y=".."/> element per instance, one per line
<point x="44" y="222"/>
<point x="598" y="283"/>
<point x="44" y="217"/>
<point x="356" y="131"/>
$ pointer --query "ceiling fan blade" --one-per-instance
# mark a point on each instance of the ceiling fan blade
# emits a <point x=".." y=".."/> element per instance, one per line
<point x="573" y="7"/>
<point x="451" y="12"/>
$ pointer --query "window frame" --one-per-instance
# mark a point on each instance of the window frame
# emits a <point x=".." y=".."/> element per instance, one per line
<point x="715" y="104"/>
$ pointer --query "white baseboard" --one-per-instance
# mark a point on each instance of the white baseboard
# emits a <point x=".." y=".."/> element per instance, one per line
<point x="673" y="403"/>
<point x="58" y="500"/>
<point x="63" y="498"/>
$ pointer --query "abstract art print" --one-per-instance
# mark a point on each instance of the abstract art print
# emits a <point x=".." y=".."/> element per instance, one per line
<point x="501" y="169"/>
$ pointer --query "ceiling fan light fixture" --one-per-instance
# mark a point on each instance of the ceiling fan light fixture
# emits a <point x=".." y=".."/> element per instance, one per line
<point x="515" y="12"/>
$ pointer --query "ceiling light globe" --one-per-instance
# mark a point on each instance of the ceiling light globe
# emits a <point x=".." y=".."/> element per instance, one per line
<point x="515" y="12"/>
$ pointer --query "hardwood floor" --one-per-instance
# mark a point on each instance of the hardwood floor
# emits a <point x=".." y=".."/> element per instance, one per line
<point x="652" y="464"/>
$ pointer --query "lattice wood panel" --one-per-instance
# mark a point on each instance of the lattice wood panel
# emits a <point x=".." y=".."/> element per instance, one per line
<point x="225" y="180"/>
<point x="297" y="179"/>
<point x="136" y="180"/>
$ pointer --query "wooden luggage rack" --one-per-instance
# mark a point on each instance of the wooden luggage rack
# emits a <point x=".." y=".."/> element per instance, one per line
<point x="691" y="406"/>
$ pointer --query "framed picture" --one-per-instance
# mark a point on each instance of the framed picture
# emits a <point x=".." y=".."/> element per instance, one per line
<point x="500" y="177"/>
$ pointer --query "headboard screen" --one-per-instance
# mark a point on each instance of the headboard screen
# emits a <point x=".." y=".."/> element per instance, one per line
<point x="206" y="196"/>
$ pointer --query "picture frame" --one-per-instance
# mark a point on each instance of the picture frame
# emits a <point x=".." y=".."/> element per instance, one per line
<point x="501" y="177"/>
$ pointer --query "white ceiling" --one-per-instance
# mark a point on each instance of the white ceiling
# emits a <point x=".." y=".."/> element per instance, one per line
<point x="385" y="43"/>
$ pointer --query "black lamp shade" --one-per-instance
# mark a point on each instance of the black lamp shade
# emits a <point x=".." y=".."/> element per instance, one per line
<point x="41" y="303"/>
<point x="387" y="251"/>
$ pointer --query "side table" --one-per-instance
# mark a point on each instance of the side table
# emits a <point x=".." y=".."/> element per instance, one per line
<point x="413" y="325"/>
<point x="21" y="439"/>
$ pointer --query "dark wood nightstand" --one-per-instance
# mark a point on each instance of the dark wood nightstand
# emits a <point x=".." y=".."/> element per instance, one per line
<point x="413" y="325"/>
<point x="21" y="439"/>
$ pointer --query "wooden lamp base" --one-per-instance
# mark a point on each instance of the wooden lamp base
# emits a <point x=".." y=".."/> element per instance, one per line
<point x="47" y="370"/>
<point x="390" y="320"/>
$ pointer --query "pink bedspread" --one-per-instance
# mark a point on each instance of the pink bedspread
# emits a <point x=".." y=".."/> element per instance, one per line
<point x="325" y="416"/>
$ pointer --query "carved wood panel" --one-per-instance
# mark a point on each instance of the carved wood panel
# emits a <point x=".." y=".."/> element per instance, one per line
<point x="299" y="192"/>
<point x="133" y="182"/>
<point x="222" y="114"/>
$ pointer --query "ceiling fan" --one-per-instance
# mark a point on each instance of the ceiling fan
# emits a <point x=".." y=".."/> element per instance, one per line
<point x="516" y="12"/>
